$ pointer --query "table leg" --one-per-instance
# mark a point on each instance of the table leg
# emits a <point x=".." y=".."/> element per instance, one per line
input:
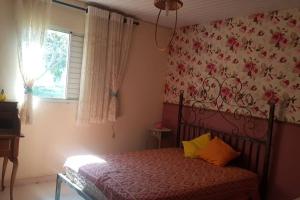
<point x="13" y="177"/>
<point x="5" y="160"/>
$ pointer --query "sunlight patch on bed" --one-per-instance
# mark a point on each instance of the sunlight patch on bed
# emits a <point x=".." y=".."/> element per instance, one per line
<point x="76" y="162"/>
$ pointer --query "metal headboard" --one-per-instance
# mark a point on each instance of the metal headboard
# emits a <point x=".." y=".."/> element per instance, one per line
<point x="255" y="152"/>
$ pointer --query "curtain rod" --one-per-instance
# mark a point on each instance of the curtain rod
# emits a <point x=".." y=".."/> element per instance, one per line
<point x="83" y="9"/>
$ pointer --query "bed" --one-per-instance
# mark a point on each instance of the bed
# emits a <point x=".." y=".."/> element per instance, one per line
<point x="165" y="174"/>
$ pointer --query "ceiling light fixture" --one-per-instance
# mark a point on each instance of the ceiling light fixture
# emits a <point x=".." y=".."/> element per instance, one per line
<point x="167" y="5"/>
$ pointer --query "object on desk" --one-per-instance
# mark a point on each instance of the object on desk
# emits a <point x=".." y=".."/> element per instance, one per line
<point x="158" y="134"/>
<point x="2" y="96"/>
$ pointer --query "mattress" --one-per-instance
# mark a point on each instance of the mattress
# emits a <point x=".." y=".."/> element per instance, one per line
<point x="162" y="174"/>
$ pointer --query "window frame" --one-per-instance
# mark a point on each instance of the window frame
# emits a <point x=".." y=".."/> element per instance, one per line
<point x="66" y="99"/>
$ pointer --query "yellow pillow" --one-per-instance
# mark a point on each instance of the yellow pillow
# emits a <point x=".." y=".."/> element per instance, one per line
<point x="217" y="153"/>
<point x="191" y="147"/>
<point x="202" y="141"/>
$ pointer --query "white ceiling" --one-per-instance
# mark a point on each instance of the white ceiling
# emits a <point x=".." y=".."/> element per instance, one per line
<point x="197" y="11"/>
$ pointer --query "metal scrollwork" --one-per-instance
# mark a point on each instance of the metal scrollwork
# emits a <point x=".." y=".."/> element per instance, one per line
<point x="216" y="95"/>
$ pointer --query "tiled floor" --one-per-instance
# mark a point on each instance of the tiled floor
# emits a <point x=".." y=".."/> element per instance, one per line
<point x="41" y="191"/>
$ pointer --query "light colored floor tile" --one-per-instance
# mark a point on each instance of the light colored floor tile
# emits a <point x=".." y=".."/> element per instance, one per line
<point x="41" y="191"/>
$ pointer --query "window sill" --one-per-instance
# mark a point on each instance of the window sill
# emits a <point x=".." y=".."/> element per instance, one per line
<point x="50" y="100"/>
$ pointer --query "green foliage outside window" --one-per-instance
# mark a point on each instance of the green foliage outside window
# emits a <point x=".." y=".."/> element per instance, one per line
<point x="52" y="81"/>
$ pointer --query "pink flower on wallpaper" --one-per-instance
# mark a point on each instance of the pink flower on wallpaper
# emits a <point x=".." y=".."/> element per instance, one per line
<point x="250" y="68"/>
<point x="197" y="46"/>
<point x="285" y="83"/>
<point x="192" y="91"/>
<point x="258" y="17"/>
<point x="206" y="34"/>
<point x="279" y="39"/>
<point x="233" y="43"/>
<point x="226" y="93"/>
<point x="167" y="88"/>
<point x="181" y="68"/>
<point x="297" y="68"/>
<point x="292" y="22"/>
<point x="271" y="95"/>
<point x="211" y="68"/>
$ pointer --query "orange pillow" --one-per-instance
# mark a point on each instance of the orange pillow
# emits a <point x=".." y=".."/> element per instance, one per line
<point x="217" y="153"/>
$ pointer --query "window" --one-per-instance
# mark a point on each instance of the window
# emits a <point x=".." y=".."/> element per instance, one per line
<point x="61" y="68"/>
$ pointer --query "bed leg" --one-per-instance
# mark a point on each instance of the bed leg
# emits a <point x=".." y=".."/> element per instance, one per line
<point x="58" y="187"/>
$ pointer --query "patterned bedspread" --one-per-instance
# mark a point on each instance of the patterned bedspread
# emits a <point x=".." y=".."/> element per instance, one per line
<point x="165" y="174"/>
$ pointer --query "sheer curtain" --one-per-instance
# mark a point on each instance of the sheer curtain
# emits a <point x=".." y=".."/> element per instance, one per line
<point x="107" y="43"/>
<point x="118" y="50"/>
<point x="31" y="22"/>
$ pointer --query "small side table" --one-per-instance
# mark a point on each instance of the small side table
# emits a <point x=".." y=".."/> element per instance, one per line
<point x="158" y="133"/>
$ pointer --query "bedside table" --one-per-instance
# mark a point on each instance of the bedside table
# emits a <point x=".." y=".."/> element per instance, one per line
<point x="158" y="134"/>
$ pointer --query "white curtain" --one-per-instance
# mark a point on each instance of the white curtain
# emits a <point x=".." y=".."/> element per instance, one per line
<point x="107" y="43"/>
<point x="118" y="50"/>
<point x="31" y="22"/>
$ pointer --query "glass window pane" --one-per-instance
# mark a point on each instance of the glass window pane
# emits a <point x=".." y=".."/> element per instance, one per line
<point x="52" y="80"/>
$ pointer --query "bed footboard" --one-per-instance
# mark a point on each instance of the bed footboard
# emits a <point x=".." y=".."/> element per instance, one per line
<point x="61" y="178"/>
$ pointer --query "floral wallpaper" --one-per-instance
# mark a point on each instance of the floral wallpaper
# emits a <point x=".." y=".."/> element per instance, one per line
<point x="260" y="53"/>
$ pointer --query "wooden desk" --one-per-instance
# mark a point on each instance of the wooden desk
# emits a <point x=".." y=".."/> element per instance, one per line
<point x="9" y="150"/>
<point x="9" y="140"/>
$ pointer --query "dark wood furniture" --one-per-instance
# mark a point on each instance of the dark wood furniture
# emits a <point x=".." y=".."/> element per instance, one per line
<point x="9" y="140"/>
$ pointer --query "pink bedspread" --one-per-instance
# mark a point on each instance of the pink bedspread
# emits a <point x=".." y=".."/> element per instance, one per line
<point x="165" y="174"/>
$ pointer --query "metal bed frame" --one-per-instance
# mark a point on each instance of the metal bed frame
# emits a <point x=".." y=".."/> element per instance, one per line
<point x="255" y="152"/>
<point x="61" y="178"/>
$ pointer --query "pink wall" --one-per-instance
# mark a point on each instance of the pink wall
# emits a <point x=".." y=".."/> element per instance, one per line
<point x="284" y="174"/>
